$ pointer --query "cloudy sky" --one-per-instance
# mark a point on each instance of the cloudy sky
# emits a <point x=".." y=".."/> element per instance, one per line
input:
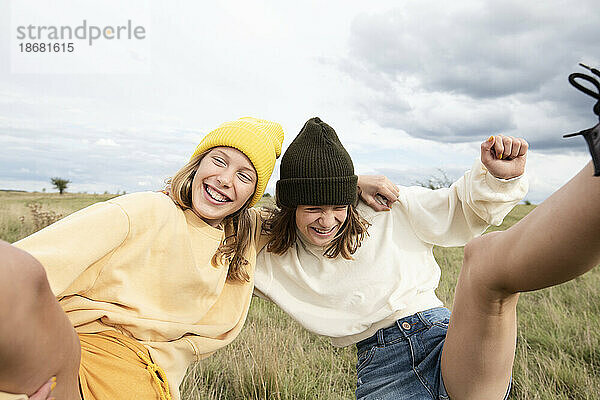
<point x="410" y="86"/>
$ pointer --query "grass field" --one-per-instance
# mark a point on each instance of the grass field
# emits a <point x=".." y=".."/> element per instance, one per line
<point x="558" y="350"/>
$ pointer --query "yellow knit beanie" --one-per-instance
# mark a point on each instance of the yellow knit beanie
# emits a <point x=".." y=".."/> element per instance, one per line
<point x="258" y="139"/>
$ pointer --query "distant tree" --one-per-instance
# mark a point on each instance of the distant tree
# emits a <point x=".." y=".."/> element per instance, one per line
<point x="60" y="183"/>
<point x="438" y="181"/>
<point x="267" y="194"/>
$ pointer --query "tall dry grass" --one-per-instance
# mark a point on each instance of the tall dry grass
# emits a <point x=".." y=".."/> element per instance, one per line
<point x="22" y="213"/>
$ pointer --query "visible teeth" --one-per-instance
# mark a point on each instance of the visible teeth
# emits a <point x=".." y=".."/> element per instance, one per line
<point x="215" y="195"/>
<point x="323" y="231"/>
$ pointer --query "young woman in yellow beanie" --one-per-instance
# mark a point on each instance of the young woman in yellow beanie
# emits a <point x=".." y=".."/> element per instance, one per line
<point x="116" y="300"/>
<point x="377" y="291"/>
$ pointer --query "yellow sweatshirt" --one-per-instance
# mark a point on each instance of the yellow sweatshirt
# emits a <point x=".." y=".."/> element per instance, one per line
<point x="140" y="265"/>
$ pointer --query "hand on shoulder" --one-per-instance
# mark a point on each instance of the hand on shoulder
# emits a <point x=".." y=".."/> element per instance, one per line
<point x="377" y="191"/>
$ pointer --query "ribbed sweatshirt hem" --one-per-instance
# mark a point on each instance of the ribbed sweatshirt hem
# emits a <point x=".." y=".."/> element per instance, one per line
<point x="421" y="302"/>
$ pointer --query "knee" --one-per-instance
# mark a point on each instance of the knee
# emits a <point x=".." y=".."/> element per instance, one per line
<point x="478" y="254"/>
<point x="484" y="269"/>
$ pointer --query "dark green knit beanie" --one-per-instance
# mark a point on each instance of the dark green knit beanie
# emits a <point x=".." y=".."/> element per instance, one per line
<point x="316" y="169"/>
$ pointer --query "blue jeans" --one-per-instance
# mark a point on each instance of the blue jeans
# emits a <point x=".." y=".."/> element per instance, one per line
<point x="404" y="361"/>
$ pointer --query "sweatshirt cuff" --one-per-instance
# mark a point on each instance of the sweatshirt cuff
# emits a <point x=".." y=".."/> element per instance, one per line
<point x="500" y="184"/>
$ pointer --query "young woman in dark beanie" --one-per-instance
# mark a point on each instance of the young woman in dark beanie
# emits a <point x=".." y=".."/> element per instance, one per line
<point x="376" y="289"/>
<point x="317" y="168"/>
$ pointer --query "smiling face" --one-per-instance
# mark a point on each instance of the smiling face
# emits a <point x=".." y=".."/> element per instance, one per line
<point x="320" y="224"/>
<point x="224" y="181"/>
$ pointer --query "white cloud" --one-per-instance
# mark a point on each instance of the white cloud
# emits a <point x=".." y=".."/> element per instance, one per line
<point x="548" y="172"/>
<point x="106" y="142"/>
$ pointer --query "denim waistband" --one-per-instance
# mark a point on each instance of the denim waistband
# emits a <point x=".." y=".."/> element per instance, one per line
<point x="404" y="328"/>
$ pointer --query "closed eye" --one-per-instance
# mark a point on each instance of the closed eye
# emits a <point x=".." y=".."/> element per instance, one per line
<point x="219" y="161"/>
<point x="245" y="177"/>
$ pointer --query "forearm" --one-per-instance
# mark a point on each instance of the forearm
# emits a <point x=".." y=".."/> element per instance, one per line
<point x="452" y="216"/>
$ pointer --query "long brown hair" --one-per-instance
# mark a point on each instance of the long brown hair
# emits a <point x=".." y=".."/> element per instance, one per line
<point x="281" y="226"/>
<point x="237" y="226"/>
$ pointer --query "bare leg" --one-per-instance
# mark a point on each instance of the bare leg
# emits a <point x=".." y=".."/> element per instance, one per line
<point x="37" y="341"/>
<point x="556" y="242"/>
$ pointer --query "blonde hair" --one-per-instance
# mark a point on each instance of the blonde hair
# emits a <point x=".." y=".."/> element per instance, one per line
<point x="281" y="226"/>
<point x="237" y="226"/>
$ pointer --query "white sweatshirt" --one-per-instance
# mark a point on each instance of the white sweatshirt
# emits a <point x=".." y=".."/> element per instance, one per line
<point x="394" y="273"/>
